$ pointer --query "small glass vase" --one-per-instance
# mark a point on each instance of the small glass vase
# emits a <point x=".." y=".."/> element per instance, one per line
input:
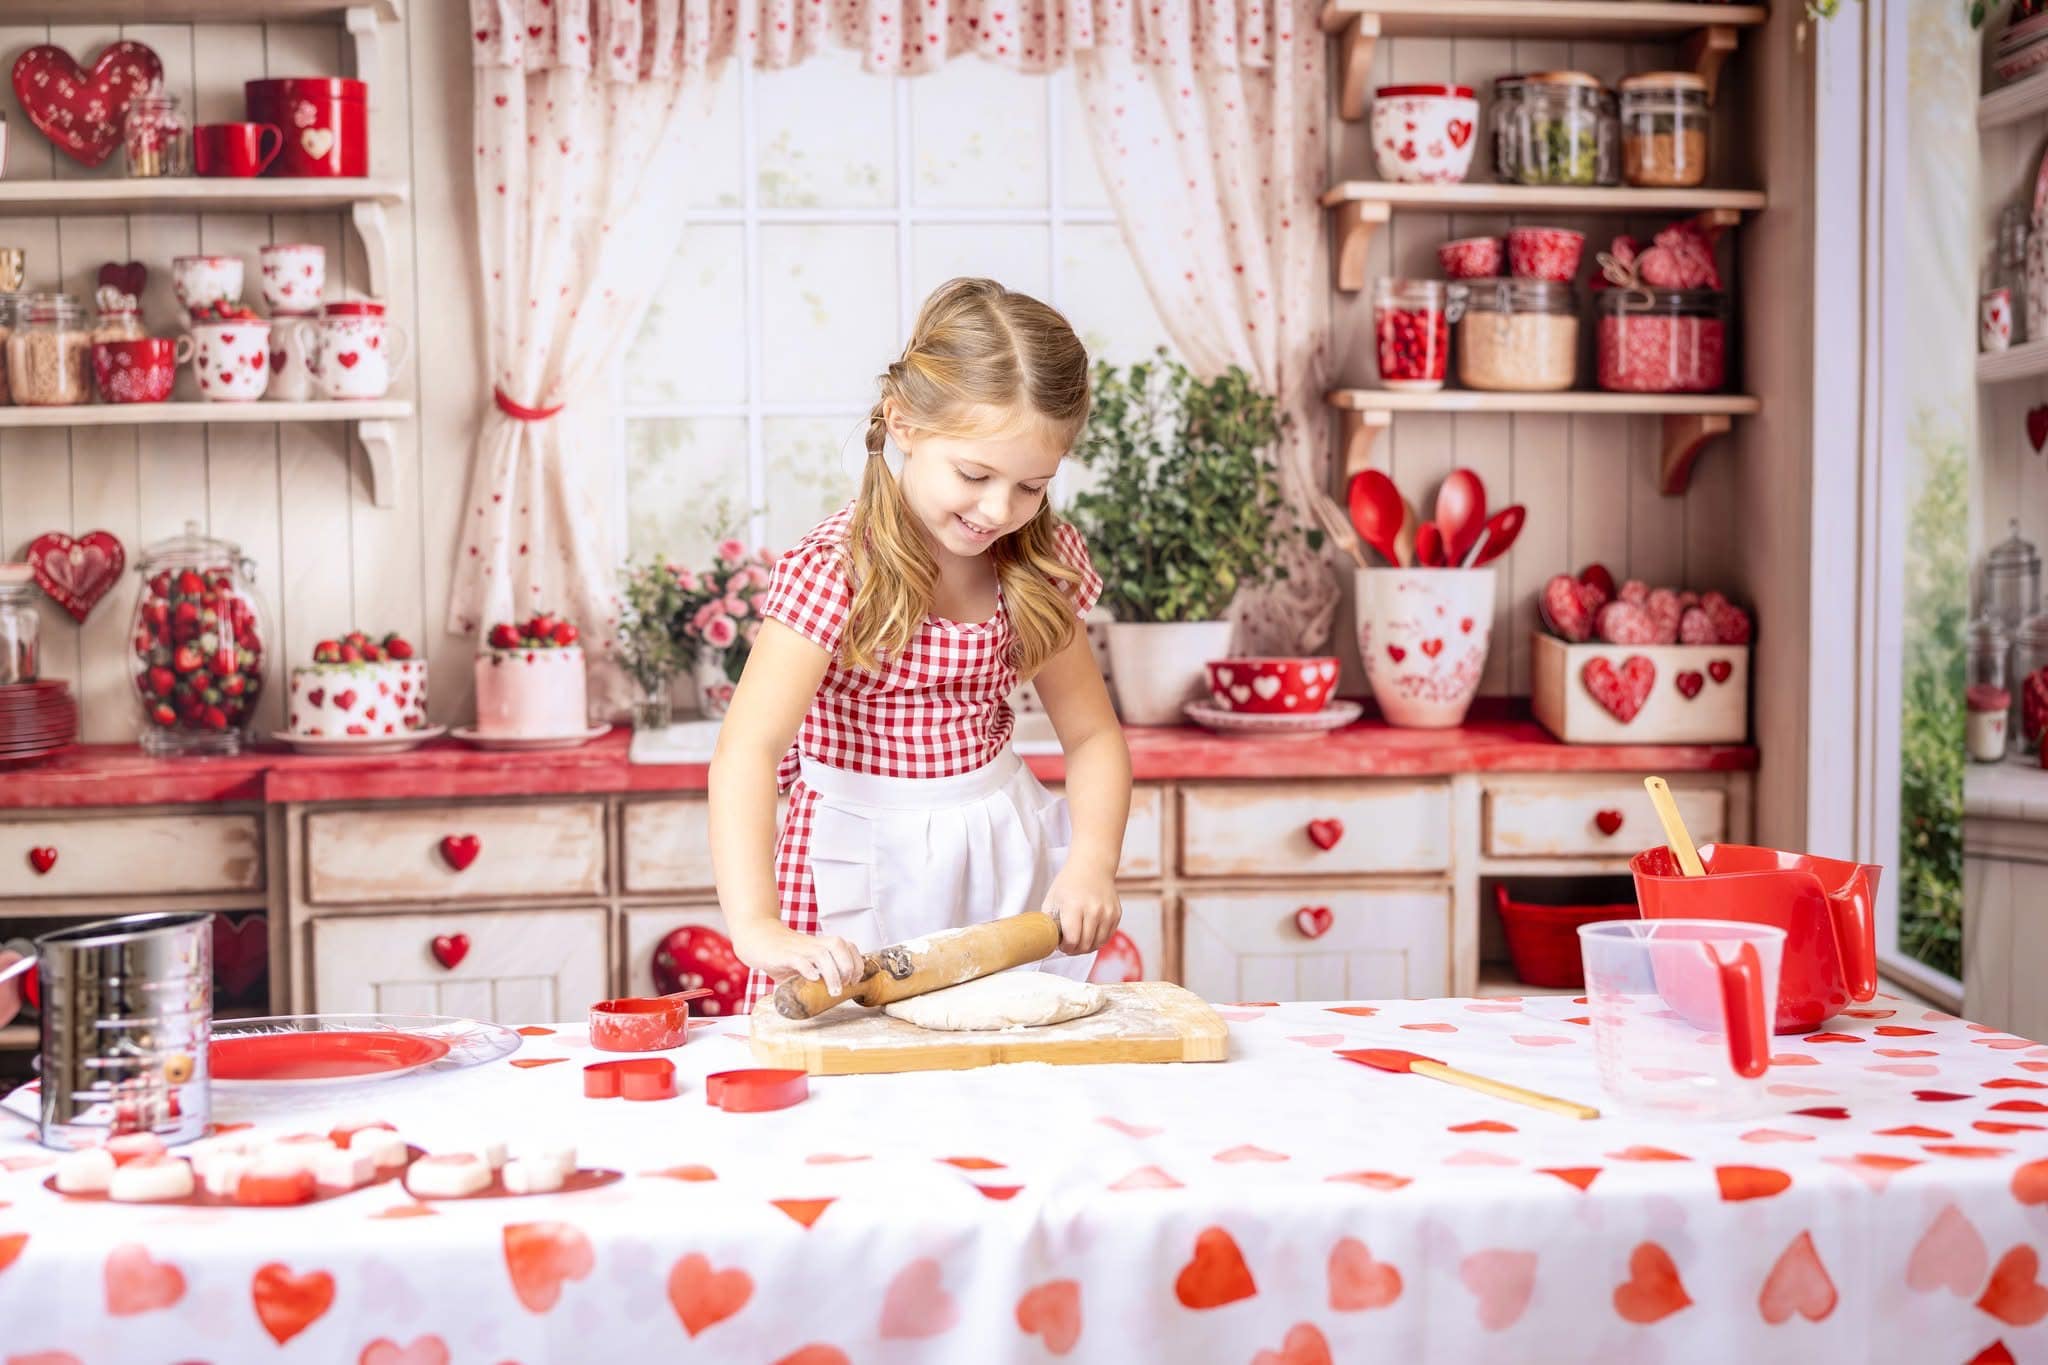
<point x="653" y="710"/>
<point x="714" y="688"/>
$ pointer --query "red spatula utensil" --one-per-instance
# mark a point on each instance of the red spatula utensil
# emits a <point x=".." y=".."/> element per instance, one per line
<point x="1377" y="511"/>
<point x="1414" y="1063"/>
<point x="1501" y="529"/>
<point x="1429" y="546"/>
<point x="1460" y="512"/>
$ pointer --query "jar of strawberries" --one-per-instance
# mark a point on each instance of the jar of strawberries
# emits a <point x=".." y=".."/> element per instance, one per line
<point x="1412" y="322"/>
<point x="198" y="645"/>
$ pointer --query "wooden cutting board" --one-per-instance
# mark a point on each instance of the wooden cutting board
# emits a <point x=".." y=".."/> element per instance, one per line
<point x="1145" y="1021"/>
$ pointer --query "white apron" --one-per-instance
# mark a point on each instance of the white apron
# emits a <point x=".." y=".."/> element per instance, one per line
<point x="894" y="858"/>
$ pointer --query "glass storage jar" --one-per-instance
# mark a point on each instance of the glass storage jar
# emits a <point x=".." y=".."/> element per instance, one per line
<point x="1518" y="336"/>
<point x="120" y="316"/>
<point x="1662" y="340"/>
<point x="198" y="642"/>
<point x="1500" y="125"/>
<point x="1563" y="130"/>
<point x="20" y="624"/>
<point x="8" y="304"/>
<point x="2029" y="674"/>
<point x="2012" y="579"/>
<point x="1987" y="689"/>
<point x="1412" y="320"/>
<point x="1664" y="129"/>
<point x="153" y="135"/>
<point x="49" y="353"/>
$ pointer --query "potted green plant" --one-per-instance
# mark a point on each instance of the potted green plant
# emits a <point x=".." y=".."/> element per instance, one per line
<point x="1183" y="510"/>
<point x="650" y="649"/>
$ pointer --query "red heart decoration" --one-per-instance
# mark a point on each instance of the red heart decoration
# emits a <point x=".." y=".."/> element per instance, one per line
<point x="459" y="849"/>
<point x="1608" y="821"/>
<point x="288" y="1304"/>
<point x="78" y="111"/>
<point x="1621" y="693"/>
<point x="1313" y="920"/>
<point x="703" y="1297"/>
<point x="2015" y="1294"/>
<point x="1217" y="1275"/>
<point x="1324" y="834"/>
<point x="450" y="949"/>
<point x="1798" y="1283"/>
<point x="1396" y="653"/>
<point x="2037" y="426"/>
<point x="42" y="859"/>
<point x="540" y="1257"/>
<point x="129" y="277"/>
<point x="348" y="359"/>
<point x="1653" y="1290"/>
<point x="241" y="953"/>
<point x="1719" y="669"/>
<point x="76" y="573"/>
<point x="1432" y="647"/>
<point x="1690" y="683"/>
<point x="1357" y="1281"/>
<point x="1052" y="1310"/>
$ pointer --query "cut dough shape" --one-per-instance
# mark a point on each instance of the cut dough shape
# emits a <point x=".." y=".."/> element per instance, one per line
<point x="1003" y="1001"/>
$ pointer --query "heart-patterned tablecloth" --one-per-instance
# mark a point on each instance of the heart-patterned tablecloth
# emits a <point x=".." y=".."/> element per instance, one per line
<point x="1285" y="1207"/>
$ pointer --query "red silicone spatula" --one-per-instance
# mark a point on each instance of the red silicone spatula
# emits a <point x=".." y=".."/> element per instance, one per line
<point x="1377" y="511"/>
<point x="1460" y="512"/>
<point x="1501" y="529"/>
<point x="1414" y="1063"/>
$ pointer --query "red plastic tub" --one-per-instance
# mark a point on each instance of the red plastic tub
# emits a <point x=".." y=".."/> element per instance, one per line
<point x="1543" y="940"/>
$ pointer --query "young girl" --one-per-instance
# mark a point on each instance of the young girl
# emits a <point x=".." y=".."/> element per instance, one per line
<point x="877" y="690"/>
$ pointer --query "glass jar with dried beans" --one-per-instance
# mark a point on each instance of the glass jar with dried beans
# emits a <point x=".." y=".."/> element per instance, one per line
<point x="49" y="355"/>
<point x="1664" y="130"/>
<point x="1518" y="336"/>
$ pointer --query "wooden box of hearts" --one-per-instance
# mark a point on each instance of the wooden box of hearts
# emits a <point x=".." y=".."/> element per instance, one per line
<point x="1640" y="694"/>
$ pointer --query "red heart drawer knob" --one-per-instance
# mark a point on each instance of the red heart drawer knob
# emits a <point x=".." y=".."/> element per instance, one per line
<point x="461" y="849"/>
<point x="1608" y="820"/>
<point x="450" y="949"/>
<point x="1324" y="834"/>
<point x="42" y="859"/>
<point x="1313" y="920"/>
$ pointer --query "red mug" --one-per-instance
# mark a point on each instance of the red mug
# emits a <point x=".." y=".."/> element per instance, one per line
<point x="239" y="150"/>
<point x="1825" y="906"/>
<point x="142" y="370"/>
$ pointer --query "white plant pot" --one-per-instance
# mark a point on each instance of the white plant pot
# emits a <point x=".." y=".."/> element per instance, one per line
<point x="1156" y="666"/>
<point x="1422" y="636"/>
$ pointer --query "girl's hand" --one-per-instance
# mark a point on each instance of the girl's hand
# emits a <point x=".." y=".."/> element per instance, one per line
<point x="1086" y="906"/>
<point x="782" y="952"/>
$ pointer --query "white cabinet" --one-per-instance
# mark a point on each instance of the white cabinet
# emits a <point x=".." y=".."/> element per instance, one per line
<point x="131" y="855"/>
<point x="508" y="966"/>
<point x="1247" y="829"/>
<point x="1381" y="943"/>
<point x="1591" y="818"/>
<point x="469" y="852"/>
<point x="1144" y="834"/>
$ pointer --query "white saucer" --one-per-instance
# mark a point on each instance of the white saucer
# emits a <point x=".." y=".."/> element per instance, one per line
<point x="359" y="744"/>
<point x="528" y="743"/>
<point x="1273" y="725"/>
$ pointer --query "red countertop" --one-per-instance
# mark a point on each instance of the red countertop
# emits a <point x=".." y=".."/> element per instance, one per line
<point x="121" y="775"/>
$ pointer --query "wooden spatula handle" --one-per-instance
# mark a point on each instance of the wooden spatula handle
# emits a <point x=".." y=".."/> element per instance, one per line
<point x="928" y="964"/>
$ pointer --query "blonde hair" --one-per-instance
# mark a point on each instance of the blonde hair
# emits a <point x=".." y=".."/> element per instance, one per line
<point x="977" y="349"/>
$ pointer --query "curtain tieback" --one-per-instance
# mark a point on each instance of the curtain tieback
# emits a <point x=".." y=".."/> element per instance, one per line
<point x="519" y="411"/>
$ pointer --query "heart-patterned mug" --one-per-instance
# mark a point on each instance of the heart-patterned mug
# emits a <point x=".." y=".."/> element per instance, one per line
<point x="291" y="370"/>
<point x="231" y="359"/>
<point x="202" y="281"/>
<point x="352" y="349"/>
<point x="293" y="275"/>
<point x="1422" y="636"/>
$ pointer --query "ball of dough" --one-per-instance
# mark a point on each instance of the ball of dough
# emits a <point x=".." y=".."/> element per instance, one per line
<point x="1003" y="1001"/>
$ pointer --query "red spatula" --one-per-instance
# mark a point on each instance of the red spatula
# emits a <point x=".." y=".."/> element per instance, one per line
<point x="1394" y="1059"/>
<point x="1460" y="513"/>
<point x="1377" y="511"/>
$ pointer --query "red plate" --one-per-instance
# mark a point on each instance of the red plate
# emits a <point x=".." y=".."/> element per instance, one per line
<point x="324" y="1056"/>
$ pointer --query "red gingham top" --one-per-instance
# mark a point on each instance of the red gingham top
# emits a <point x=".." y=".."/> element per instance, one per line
<point x="938" y="709"/>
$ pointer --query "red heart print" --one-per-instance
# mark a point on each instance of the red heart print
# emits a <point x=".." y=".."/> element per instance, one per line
<point x="703" y="1297"/>
<point x="1608" y="821"/>
<point x="1502" y="1281"/>
<point x="803" y="1211"/>
<point x="1136" y="1130"/>
<point x="1915" y="1130"/>
<point x="1247" y="1152"/>
<point x="136" y="1283"/>
<point x="76" y="573"/>
<point x="1874" y="1169"/>
<point x="1374" y="1180"/>
<point x="2037" y="427"/>
<point x="1798" y="1283"/>
<point x="2014" y="1294"/>
<point x="1357" y="1281"/>
<point x="2030" y="1183"/>
<point x="79" y="111"/>
<point x="1579" y="1177"/>
<point x="348" y="359"/>
<point x="317" y="695"/>
<point x="1053" y="1311"/>
<point x="1432" y="647"/>
<point x="1719" y="669"/>
<point x="1303" y="1345"/>
<point x="450" y="949"/>
<point x="1640" y="1152"/>
<point x="1653" y="1290"/>
<point x="459" y="849"/>
<point x="1621" y="693"/>
<point x="10" y="1248"/>
<point x="1324" y="834"/>
<point x="916" y="1304"/>
<point x="277" y="360"/>
<point x="1689" y="683"/>
<point x="816" y="1354"/>
<point x="1313" y="920"/>
<point x="288" y="1304"/>
<point x="426" y="1350"/>
<point x="1750" y="1182"/>
<point x="1396" y="653"/>
<point x="1148" y="1178"/>
<point x="42" y="860"/>
<point x="540" y="1256"/>
<point x="1823" y="1111"/>
<point x="1938" y="1096"/>
<point x="1459" y="130"/>
<point x="1216" y="1275"/>
<point x="1950" y="1255"/>
<point x="346" y="700"/>
<point x="1465" y="625"/>
<point x="241" y="952"/>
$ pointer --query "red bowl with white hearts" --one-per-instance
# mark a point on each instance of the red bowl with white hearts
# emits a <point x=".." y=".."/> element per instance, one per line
<point x="1424" y="134"/>
<point x="1545" y="253"/>
<point x="1273" y="686"/>
<point x="1470" y="258"/>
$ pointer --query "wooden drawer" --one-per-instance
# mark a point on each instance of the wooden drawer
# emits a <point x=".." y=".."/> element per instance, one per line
<point x="1262" y="829"/>
<point x="1382" y="943"/>
<point x="1605" y="819"/>
<point x="132" y="855"/>
<point x="370" y="857"/>
<point x="666" y="845"/>
<point x="519" y="967"/>
<point x="1144" y="835"/>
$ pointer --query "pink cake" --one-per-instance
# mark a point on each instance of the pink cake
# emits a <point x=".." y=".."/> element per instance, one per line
<point x="529" y="681"/>
<point x="358" y="688"/>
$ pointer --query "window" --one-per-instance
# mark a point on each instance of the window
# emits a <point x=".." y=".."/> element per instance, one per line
<point x="825" y="203"/>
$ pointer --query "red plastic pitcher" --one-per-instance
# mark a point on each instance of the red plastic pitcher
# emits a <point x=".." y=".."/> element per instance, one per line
<point x="1824" y="905"/>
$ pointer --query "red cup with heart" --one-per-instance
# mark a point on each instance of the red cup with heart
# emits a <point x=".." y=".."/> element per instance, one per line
<point x="1272" y="686"/>
<point x="326" y="123"/>
<point x="137" y="371"/>
<point x="236" y="151"/>
<point x="1424" y="134"/>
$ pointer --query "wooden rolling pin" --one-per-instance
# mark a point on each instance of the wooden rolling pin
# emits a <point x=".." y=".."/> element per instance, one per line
<point x="928" y="964"/>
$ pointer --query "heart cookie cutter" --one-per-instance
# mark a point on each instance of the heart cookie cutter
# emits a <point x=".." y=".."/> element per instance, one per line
<point x="645" y="1078"/>
<point x="643" y="1023"/>
<point x="755" y="1091"/>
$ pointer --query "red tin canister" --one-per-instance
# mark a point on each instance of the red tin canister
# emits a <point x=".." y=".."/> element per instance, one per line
<point x="326" y="123"/>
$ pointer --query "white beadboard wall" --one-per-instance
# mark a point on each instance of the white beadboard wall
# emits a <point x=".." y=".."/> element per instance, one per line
<point x="2012" y="475"/>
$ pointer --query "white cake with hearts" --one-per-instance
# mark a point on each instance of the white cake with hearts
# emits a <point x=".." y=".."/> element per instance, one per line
<point x="358" y="688"/>
<point x="530" y="681"/>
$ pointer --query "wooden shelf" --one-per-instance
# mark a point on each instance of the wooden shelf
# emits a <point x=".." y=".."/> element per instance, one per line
<point x="193" y="11"/>
<point x="1710" y="32"/>
<point x="116" y="195"/>
<point x="1690" y="419"/>
<point x="2021" y="100"/>
<point x="2020" y="362"/>
<point x="372" y="420"/>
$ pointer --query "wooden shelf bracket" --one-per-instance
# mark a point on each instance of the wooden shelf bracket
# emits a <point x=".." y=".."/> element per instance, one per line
<point x="375" y="230"/>
<point x="1705" y="51"/>
<point x="1684" y="436"/>
<point x="380" y="447"/>
<point x="1357" y="34"/>
<point x="1357" y="220"/>
<point x="362" y="23"/>
<point x="1361" y="430"/>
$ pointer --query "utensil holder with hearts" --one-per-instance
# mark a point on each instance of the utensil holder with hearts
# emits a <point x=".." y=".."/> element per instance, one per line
<point x="1422" y="636"/>
<point x="1640" y="694"/>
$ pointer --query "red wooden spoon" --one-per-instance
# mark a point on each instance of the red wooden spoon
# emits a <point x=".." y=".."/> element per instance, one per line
<point x="1501" y="529"/>
<point x="1429" y="546"/>
<point x="1460" y="512"/>
<point x="1377" y="511"/>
